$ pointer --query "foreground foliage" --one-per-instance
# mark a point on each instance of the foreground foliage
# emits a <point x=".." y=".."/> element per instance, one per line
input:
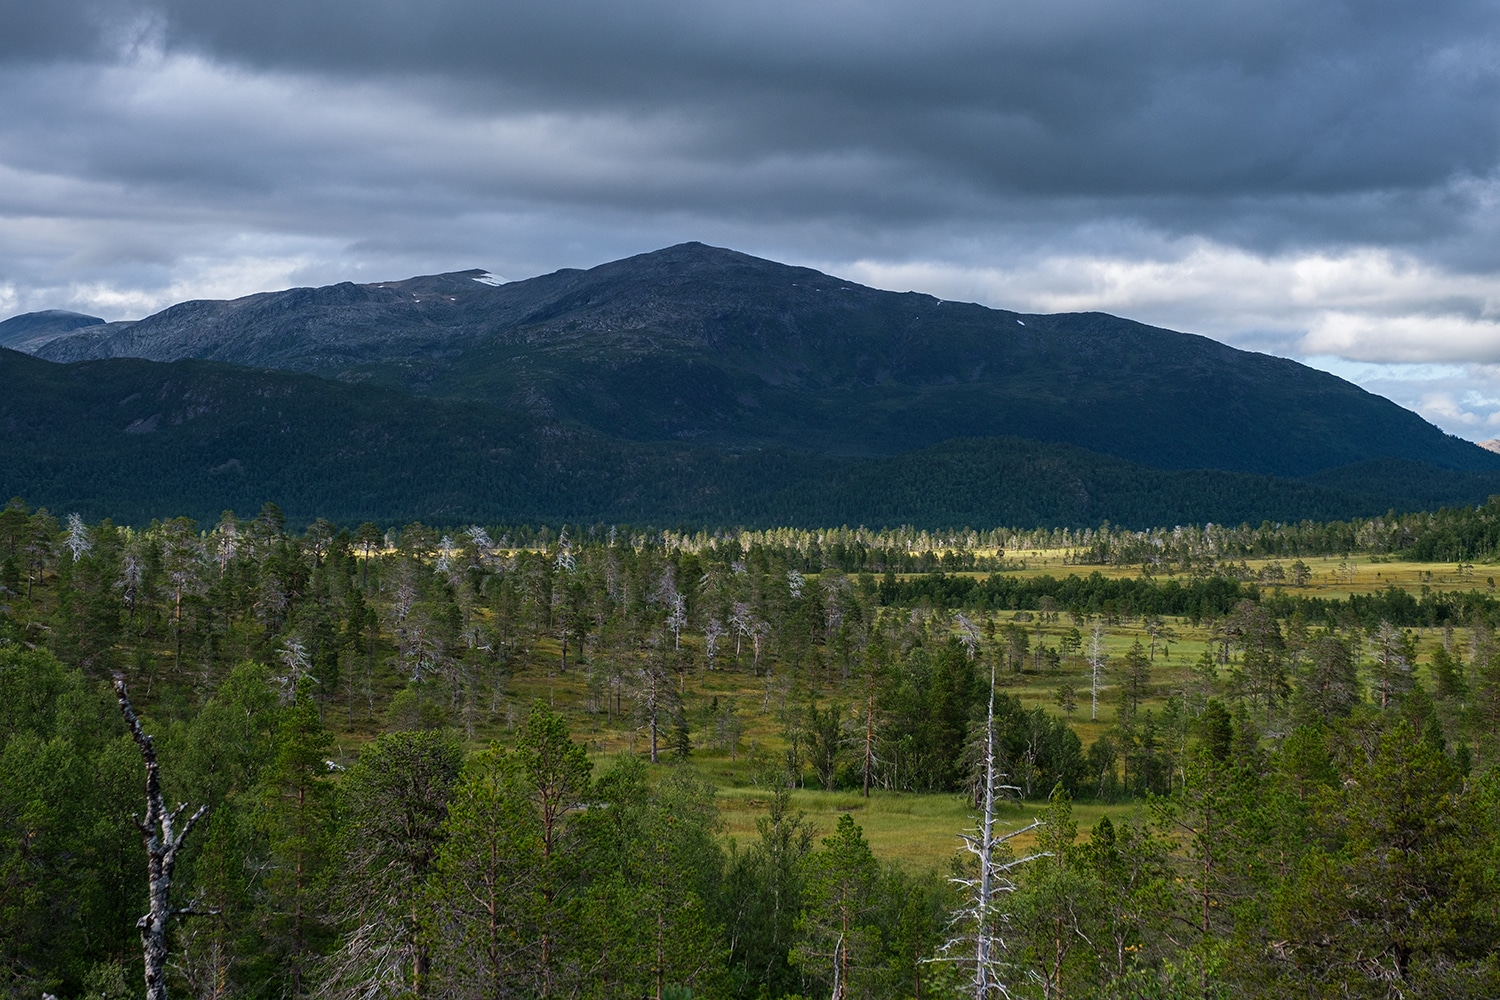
<point x="455" y="769"/>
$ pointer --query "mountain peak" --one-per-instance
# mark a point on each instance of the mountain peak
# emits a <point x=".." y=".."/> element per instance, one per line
<point x="703" y="344"/>
<point x="695" y="255"/>
<point x="31" y="330"/>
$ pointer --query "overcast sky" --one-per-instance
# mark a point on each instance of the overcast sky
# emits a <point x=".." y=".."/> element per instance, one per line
<point x="1316" y="179"/>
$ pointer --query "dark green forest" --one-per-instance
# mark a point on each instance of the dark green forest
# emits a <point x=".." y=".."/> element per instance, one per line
<point x="473" y="761"/>
<point x="138" y="440"/>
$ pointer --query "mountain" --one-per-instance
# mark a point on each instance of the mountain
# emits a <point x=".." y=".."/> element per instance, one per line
<point x="30" y="331"/>
<point x="692" y="385"/>
<point x="136" y="440"/>
<point x="705" y="346"/>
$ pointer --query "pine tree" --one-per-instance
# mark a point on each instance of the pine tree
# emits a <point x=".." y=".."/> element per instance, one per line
<point x="764" y="889"/>
<point x="682" y="737"/>
<point x="1135" y="681"/>
<point x="1329" y="685"/>
<point x="557" y="775"/>
<point x="297" y="818"/>
<point x="485" y="895"/>
<point x="395" y="800"/>
<point x="836" y="929"/>
<point x="652" y="858"/>
<point x="1055" y="909"/>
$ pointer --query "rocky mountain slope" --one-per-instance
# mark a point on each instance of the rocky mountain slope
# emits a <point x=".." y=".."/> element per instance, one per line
<point x="30" y="331"/>
<point x="694" y="344"/>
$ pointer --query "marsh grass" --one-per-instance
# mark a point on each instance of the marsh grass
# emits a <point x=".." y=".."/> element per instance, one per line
<point x="914" y="829"/>
<point x="919" y="832"/>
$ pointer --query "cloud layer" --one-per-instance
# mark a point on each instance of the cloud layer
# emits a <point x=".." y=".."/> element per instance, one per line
<point x="1313" y="179"/>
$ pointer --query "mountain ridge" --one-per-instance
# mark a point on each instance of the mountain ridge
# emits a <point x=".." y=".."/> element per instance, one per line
<point x="32" y="330"/>
<point x="736" y="355"/>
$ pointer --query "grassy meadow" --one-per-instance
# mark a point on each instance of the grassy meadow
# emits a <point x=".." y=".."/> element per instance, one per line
<point x="917" y="830"/>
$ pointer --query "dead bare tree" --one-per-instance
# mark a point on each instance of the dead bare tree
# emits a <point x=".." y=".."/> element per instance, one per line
<point x="712" y="633"/>
<point x="1097" y="660"/>
<point x="977" y="941"/>
<point x="968" y="635"/>
<point x="162" y="843"/>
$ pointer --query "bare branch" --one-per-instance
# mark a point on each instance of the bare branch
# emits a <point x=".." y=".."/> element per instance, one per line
<point x="977" y="942"/>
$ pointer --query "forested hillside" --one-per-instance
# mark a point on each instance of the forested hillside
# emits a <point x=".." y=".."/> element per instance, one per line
<point x="504" y="761"/>
<point x="702" y="345"/>
<point x="139" y="440"/>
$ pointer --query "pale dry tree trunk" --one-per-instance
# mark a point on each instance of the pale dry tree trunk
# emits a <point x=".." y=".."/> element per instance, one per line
<point x="1096" y="668"/>
<point x="869" y="762"/>
<point x="162" y="843"/>
<point x="980" y="948"/>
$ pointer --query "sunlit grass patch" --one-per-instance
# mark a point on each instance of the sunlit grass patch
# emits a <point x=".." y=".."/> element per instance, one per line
<point x="917" y="831"/>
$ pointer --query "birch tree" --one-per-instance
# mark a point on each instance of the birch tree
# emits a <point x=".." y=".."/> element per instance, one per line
<point x="563" y="560"/>
<point x="654" y="696"/>
<point x="712" y="633"/>
<point x="743" y="623"/>
<point x="132" y="576"/>
<point x="876" y="655"/>
<point x="481" y="545"/>
<point x="1394" y="662"/>
<point x="447" y="556"/>
<point x="226" y="541"/>
<point x="677" y="619"/>
<point x="296" y="661"/>
<point x="968" y="635"/>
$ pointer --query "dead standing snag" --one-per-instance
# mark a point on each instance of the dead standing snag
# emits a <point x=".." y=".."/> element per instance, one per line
<point x="162" y="843"/>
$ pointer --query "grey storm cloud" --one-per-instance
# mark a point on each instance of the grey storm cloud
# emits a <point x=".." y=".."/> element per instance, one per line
<point x="1312" y="178"/>
<point x="1167" y="101"/>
